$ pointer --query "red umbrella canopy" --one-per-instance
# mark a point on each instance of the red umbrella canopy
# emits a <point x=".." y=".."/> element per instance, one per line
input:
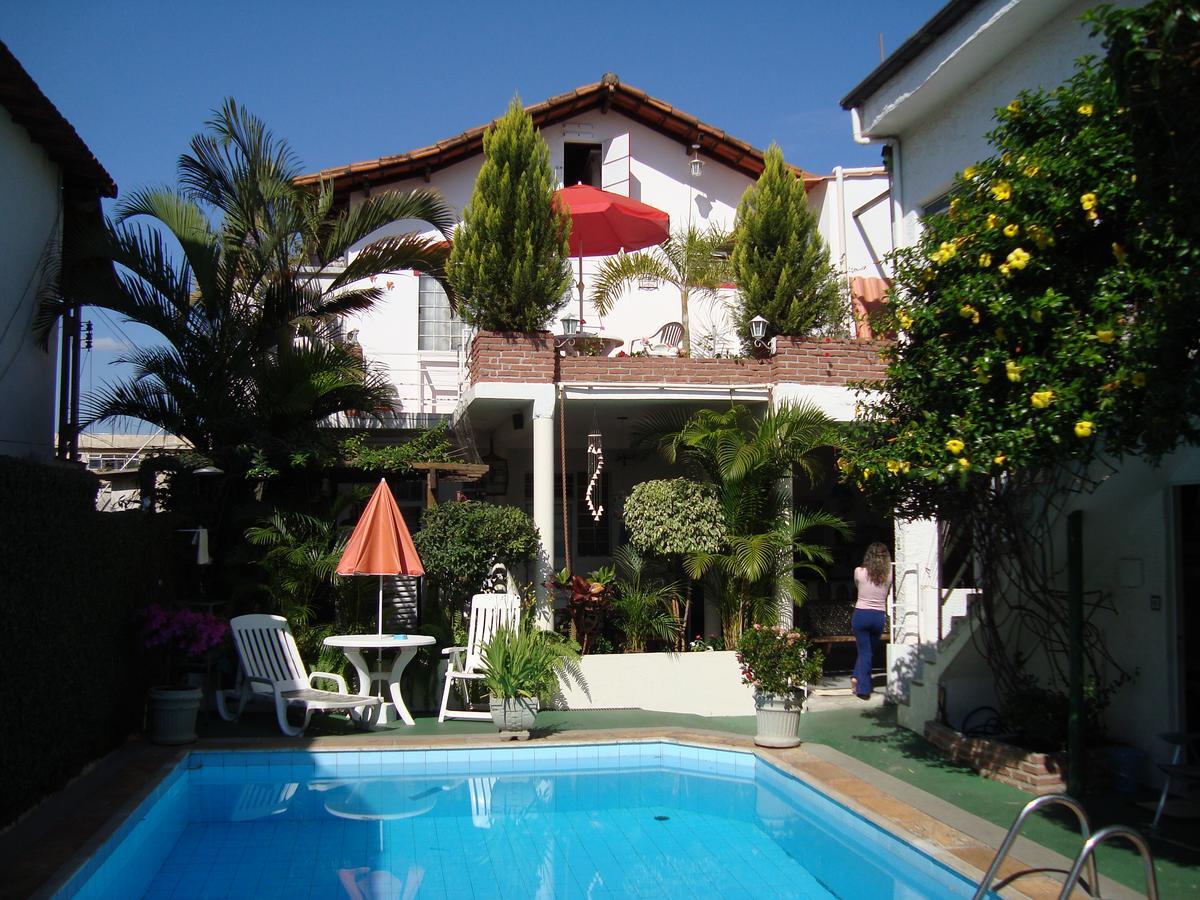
<point x="604" y="223"/>
<point x="381" y="544"/>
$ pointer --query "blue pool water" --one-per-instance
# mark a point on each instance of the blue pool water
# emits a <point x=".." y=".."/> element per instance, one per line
<point x="592" y="821"/>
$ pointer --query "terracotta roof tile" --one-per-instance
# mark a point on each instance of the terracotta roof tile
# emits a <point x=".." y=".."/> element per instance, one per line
<point x="606" y="93"/>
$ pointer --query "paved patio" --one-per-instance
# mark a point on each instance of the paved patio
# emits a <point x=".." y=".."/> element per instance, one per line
<point x="853" y="751"/>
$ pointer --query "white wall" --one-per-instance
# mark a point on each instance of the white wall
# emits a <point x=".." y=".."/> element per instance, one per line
<point x="29" y="184"/>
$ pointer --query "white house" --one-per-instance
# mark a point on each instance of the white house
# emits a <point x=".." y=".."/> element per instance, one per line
<point x="51" y="183"/>
<point x="528" y="401"/>
<point x="930" y="105"/>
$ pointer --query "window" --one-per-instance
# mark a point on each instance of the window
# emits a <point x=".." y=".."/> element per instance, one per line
<point x="437" y="327"/>
<point x="581" y="164"/>
<point x="938" y="204"/>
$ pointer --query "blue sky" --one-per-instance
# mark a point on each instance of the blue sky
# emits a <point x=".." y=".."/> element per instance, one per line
<point x="346" y="82"/>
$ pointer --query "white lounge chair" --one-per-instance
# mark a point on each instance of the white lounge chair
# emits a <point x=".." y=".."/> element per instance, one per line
<point x="271" y="669"/>
<point x="488" y="613"/>
<point x="664" y="342"/>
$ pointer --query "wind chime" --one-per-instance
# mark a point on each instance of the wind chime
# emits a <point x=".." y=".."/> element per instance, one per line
<point x="595" y="460"/>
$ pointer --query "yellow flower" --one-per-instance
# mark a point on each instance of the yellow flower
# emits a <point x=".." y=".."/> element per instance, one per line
<point x="1004" y="269"/>
<point x="1085" y="109"/>
<point x="905" y="320"/>
<point x="1032" y="170"/>
<point x="992" y="219"/>
<point x="1041" y="399"/>
<point x="896" y="467"/>
<point x="1119" y="253"/>
<point x="1018" y="259"/>
<point x="1092" y="215"/>
<point x="1013" y="370"/>
<point x="1000" y="458"/>
<point x="955" y="203"/>
<point x="1083" y="429"/>
<point x="970" y="172"/>
<point x="967" y="311"/>
<point x="1036" y="315"/>
<point x="844" y="464"/>
<point x="964" y="462"/>
<point x="866" y="474"/>
<point x="1040" y="236"/>
<point x="955" y="446"/>
<point x="1088" y="201"/>
<point x="1002" y="190"/>
<point x="1014" y="107"/>
<point x="1106" y="335"/>
<point x="1138" y="379"/>
<point x="1012" y="230"/>
<point x="1133" y="178"/>
<point x="985" y="259"/>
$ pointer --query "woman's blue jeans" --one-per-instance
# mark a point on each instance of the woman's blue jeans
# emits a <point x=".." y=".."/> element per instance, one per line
<point x="867" y="625"/>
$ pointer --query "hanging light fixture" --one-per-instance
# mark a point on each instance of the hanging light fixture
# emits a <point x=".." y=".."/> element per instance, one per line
<point x="696" y="163"/>
<point x="495" y="483"/>
<point x="595" y="461"/>
<point x="647" y="283"/>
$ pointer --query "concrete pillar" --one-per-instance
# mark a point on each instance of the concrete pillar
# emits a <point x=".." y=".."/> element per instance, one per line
<point x="543" y="506"/>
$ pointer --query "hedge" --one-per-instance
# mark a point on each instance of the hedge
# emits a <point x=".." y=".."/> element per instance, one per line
<point x="71" y="581"/>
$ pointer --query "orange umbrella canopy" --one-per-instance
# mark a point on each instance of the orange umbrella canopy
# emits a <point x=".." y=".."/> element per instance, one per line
<point x="381" y="544"/>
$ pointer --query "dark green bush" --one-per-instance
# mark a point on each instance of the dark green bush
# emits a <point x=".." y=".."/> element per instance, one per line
<point x="72" y="581"/>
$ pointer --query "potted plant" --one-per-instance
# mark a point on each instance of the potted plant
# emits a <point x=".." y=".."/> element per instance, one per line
<point x="778" y="662"/>
<point x="520" y="666"/>
<point x="168" y="632"/>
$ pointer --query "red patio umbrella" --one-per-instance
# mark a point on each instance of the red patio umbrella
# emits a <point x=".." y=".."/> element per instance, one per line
<point x="380" y="544"/>
<point x="603" y="223"/>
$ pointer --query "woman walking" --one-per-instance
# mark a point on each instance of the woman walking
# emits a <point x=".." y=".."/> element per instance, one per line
<point x="873" y="581"/>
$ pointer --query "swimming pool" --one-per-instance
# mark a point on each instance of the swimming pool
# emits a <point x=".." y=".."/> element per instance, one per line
<point x="644" y="819"/>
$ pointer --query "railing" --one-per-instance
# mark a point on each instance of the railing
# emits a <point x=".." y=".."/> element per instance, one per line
<point x="1010" y="838"/>
<point x="1087" y="857"/>
<point x="894" y="617"/>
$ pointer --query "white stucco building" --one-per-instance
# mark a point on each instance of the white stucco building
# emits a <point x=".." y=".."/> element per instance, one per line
<point x="930" y="104"/>
<point x="528" y="400"/>
<point x="51" y="183"/>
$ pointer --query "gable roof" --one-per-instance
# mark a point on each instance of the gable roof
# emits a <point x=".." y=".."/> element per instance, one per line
<point x="941" y="22"/>
<point x="33" y="111"/>
<point x="606" y="94"/>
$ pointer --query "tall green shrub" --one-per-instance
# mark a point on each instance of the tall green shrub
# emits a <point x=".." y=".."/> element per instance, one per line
<point x="780" y="263"/>
<point x="509" y="265"/>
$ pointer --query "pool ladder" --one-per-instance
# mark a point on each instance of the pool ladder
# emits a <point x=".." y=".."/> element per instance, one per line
<point x="1087" y="853"/>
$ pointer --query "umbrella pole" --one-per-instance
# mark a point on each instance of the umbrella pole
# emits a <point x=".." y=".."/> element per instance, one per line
<point x="379" y="615"/>
<point x="579" y="286"/>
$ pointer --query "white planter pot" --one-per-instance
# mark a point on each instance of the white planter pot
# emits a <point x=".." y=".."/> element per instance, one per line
<point x="173" y="715"/>
<point x="515" y="714"/>
<point x="778" y="719"/>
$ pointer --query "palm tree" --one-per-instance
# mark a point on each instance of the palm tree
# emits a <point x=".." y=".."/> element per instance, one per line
<point x="647" y="609"/>
<point x="750" y="460"/>
<point x="694" y="261"/>
<point x="238" y="269"/>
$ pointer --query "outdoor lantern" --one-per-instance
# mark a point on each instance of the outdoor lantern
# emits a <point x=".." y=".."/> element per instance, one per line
<point x="495" y="483"/>
<point x="696" y="163"/>
<point x="647" y="282"/>
<point x="758" y="328"/>
<point x="571" y="325"/>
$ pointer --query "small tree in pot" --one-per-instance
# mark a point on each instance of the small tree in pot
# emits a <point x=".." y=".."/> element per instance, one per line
<point x="521" y="666"/>
<point x="778" y="662"/>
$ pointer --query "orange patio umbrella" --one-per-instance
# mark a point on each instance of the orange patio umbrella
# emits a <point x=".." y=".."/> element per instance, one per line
<point x="380" y="544"/>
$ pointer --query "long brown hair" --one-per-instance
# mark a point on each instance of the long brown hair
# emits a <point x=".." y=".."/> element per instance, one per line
<point x="878" y="563"/>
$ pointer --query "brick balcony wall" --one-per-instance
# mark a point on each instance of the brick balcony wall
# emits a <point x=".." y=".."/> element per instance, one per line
<point x="521" y="357"/>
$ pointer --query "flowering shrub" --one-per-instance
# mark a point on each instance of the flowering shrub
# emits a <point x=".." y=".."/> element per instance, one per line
<point x="180" y="630"/>
<point x="1043" y="313"/>
<point x="777" y="660"/>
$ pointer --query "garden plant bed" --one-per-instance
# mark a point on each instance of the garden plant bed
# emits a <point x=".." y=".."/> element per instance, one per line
<point x="992" y="757"/>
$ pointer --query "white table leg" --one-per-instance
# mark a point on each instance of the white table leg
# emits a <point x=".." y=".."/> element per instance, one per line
<point x="403" y="657"/>
<point x="360" y="666"/>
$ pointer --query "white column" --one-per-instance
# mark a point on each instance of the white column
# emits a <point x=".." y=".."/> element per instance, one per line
<point x="543" y="505"/>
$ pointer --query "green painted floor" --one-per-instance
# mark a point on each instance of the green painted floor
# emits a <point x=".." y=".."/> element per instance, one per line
<point x="871" y="736"/>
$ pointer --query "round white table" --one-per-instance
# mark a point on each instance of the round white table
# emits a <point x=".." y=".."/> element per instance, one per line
<point x="405" y="646"/>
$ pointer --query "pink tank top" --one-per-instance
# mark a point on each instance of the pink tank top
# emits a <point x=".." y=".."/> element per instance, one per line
<point x="870" y="595"/>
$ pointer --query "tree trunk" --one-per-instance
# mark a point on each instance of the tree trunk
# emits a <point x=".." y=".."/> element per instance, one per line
<point x="683" y="318"/>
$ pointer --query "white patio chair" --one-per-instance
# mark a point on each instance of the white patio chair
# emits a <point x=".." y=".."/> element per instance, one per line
<point x="488" y="613"/>
<point x="272" y="669"/>
<point x="664" y="342"/>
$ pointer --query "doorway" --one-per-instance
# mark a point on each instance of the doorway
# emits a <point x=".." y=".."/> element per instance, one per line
<point x="1187" y="525"/>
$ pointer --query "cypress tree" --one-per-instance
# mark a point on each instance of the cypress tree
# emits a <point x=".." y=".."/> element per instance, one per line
<point x="779" y="261"/>
<point x="509" y="265"/>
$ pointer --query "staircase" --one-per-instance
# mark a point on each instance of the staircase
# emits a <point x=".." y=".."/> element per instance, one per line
<point x="921" y="666"/>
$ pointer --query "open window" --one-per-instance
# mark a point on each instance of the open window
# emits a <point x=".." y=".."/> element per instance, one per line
<point x="582" y="164"/>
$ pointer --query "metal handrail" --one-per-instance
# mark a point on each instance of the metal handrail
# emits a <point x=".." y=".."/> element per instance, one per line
<point x="1009" y="839"/>
<point x="1087" y="855"/>
<point x="894" y="601"/>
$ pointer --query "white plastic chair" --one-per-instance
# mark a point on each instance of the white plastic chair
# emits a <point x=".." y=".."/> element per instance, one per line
<point x="664" y="342"/>
<point x="488" y="613"/>
<point x="272" y="669"/>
